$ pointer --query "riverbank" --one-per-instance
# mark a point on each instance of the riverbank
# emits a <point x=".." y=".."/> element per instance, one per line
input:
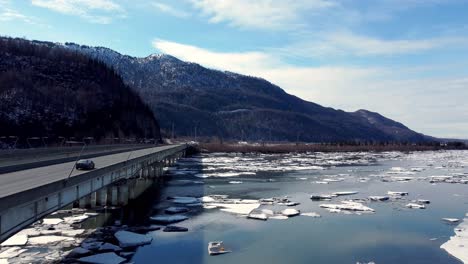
<point x="319" y="147"/>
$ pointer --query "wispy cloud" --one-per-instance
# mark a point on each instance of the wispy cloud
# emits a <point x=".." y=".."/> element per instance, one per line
<point x="13" y="15"/>
<point x="170" y="10"/>
<point x="261" y="14"/>
<point x="94" y="11"/>
<point x="348" y="44"/>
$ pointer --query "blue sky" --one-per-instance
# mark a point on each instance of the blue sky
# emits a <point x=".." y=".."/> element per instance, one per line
<point x="406" y="59"/>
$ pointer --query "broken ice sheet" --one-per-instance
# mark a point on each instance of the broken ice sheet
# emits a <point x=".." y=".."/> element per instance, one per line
<point x="104" y="258"/>
<point x="15" y="240"/>
<point x="130" y="239"/>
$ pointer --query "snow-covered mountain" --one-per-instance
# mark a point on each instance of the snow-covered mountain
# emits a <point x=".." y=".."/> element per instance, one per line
<point x="212" y="103"/>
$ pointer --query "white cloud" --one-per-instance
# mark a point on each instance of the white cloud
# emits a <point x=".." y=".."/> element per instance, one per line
<point x="260" y="14"/>
<point x="434" y="106"/>
<point x="165" y="8"/>
<point x="94" y="11"/>
<point x="12" y="15"/>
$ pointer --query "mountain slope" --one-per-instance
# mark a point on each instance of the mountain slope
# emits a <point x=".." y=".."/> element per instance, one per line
<point x="197" y="100"/>
<point x="47" y="90"/>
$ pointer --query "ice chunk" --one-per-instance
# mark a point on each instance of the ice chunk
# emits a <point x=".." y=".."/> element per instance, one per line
<point x="185" y="200"/>
<point x="237" y="208"/>
<point x="11" y="252"/>
<point x="72" y="232"/>
<point x="109" y="247"/>
<point x="451" y="220"/>
<point x="379" y="198"/>
<point x="130" y="239"/>
<point x="416" y="206"/>
<point x="92" y="245"/>
<point x="168" y="219"/>
<point x="78" y="252"/>
<point x="397" y="193"/>
<point x="15" y="240"/>
<point x="278" y="217"/>
<point x="43" y="240"/>
<point x="347" y="205"/>
<point x="104" y="258"/>
<point x="235" y="182"/>
<point x="312" y="214"/>
<point x="290" y="212"/>
<point x="344" y="193"/>
<point x="258" y="215"/>
<point x="75" y="219"/>
<point x="52" y="221"/>
<point x="458" y="244"/>
<point x="176" y="210"/>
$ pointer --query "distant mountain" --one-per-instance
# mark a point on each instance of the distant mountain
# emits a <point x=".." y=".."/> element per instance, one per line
<point x="211" y="103"/>
<point x="48" y="90"/>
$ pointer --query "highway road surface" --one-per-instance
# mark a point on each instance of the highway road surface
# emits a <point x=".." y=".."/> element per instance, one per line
<point x="14" y="182"/>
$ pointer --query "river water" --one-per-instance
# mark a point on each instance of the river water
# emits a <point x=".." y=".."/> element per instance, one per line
<point x="219" y="188"/>
<point x="392" y="234"/>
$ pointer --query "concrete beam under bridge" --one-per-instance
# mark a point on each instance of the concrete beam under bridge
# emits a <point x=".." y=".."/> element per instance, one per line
<point x="27" y="196"/>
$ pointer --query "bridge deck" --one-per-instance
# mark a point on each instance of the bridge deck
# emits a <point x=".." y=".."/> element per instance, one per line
<point x="15" y="182"/>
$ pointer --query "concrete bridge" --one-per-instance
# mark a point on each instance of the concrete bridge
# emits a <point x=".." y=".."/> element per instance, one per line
<point x="28" y="195"/>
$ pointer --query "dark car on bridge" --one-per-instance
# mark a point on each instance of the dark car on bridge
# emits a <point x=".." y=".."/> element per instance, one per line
<point x="85" y="164"/>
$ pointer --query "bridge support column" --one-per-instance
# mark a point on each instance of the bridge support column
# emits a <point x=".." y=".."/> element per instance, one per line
<point x="114" y="199"/>
<point x="123" y="194"/>
<point x="101" y="197"/>
<point x="93" y="200"/>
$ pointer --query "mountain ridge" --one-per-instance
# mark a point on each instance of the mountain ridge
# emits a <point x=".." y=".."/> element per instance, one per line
<point x="206" y="102"/>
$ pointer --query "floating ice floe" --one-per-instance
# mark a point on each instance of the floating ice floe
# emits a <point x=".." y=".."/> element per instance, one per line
<point x="109" y="247"/>
<point x="176" y="210"/>
<point x="416" y="206"/>
<point x="288" y="203"/>
<point x="347" y="205"/>
<point x="344" y="193"/>
<point x="312" y="214"/>
<point x="130" y="239"/>
<point x="259" y="215"/>
<point x="44" y="240"/>
<point x="78" y="251"/>
<point x="168" y="219"/>
<point x="379" y="198"/>
<point x="457" y="246"/>
<point x="11" y="252"/>
<point x="237" y="208"/>
<point x="15" y="240"/>
<point x="184" y="200"/>
<point x="321" y="182"/>
<point x="104" y="258"/>
<point x="290" y="212"/>
<point x="333" y="180"/>
<point x="451" y="220"/>
<point x="75" y="219"/>
<point x="224" y="174"/>
<point x="392" y="193"/>
<point x="52" y="221"/>
<point x="235" y="182"/>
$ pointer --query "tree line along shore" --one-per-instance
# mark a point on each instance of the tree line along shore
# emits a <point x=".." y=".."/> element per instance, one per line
<point x="327" y="147"/>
